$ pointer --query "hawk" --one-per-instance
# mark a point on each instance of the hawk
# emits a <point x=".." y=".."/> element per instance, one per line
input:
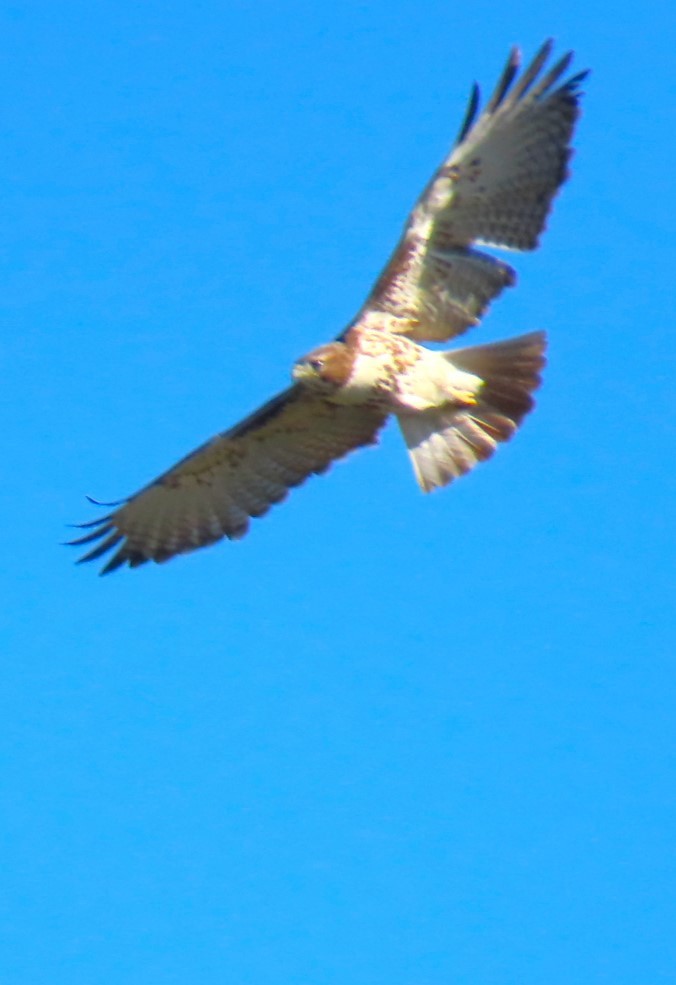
<point x="495" y="188"/>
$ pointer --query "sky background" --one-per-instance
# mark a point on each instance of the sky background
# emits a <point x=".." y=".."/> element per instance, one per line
<point x="387" y="739"/>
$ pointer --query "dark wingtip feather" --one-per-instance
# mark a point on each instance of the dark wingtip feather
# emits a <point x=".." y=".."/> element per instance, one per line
<point x="117" y="560"/>
<point x="532" y="71"/>
<point x="505" y="80"/>
<point x="573" y="84"/>
<point x="470" y="113"/>
<point x="97" y="502"/>
<point x="103" y="547"/>
<point x="552" y="76"/>
<point x="544" y="51"/>
<point x="89" y="538"/>
<point x="91" y="523"/>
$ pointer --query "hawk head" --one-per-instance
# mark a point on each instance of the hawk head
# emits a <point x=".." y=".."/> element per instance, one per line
<point x="326" y="368"/>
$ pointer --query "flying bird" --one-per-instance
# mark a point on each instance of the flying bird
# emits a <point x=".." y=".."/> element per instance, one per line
<point x="495" y="188"/>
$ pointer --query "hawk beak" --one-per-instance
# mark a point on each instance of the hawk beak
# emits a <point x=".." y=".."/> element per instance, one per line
<point x="302" y="371"/>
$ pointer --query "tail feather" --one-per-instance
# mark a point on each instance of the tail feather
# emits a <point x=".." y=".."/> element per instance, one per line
<point x="446" y="442"/>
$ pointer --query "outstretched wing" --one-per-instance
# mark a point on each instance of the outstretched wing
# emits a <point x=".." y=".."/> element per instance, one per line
<point x="496" y="188"/>
<point x="239" y="474"/>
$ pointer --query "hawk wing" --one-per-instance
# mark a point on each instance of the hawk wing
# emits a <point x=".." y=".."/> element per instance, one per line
<point x="496" y="188"/>
<point x="239" y="474"/>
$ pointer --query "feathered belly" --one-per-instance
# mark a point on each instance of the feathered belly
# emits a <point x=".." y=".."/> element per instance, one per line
<point x="434" y="382"/>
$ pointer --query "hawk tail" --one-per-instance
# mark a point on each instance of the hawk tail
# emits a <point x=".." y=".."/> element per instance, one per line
<point x="445" y="442"/>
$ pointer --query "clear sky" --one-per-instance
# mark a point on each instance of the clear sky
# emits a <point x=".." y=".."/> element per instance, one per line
<point x="387" y="739"/>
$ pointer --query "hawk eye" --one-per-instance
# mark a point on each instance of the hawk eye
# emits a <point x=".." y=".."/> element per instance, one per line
<point x="316" y="364"/>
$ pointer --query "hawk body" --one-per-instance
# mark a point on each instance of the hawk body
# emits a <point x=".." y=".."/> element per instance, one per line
<point x="495" y="188"/>
<point x="381" y="369"/>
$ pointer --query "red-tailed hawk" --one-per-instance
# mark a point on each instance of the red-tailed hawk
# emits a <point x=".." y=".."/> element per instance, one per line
<point x="495" y="188"/>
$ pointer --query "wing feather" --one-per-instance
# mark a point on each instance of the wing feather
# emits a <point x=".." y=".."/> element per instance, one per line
<point x="504" y="82"/>
<point x="495" y="188"/>
<point x="214" y="491"/>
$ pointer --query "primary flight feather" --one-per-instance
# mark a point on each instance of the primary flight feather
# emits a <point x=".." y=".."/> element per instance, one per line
<point x="495" y="188"/>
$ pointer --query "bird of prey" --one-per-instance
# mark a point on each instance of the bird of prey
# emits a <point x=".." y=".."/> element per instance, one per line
<point x="495" y="188"/>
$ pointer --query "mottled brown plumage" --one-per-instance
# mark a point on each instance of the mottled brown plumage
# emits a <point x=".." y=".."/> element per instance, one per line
<point x="496" y="187"/>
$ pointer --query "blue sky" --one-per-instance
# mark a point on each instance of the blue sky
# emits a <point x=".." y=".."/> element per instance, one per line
<point x="387" y="739"/>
